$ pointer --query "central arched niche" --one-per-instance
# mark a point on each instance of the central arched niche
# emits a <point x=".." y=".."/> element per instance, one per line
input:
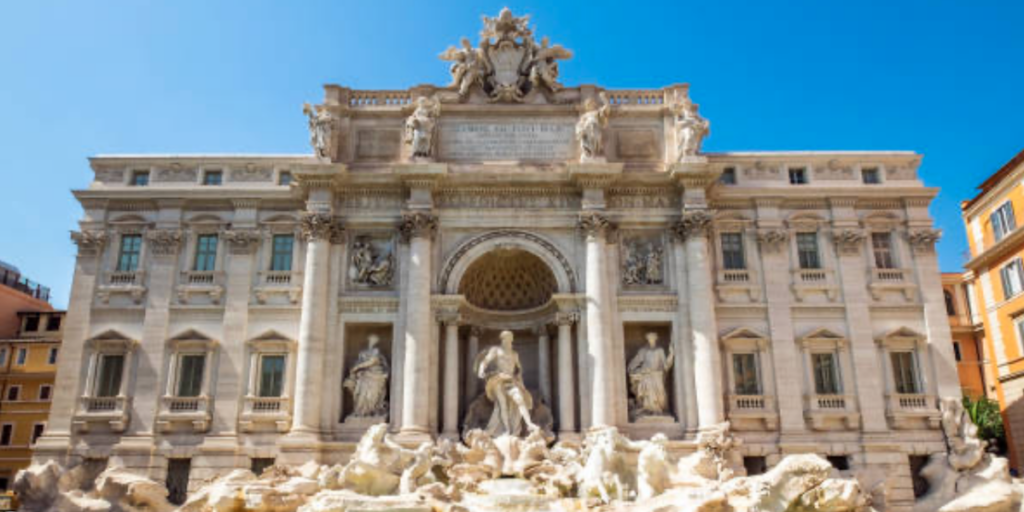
<point x="508" y="279"/>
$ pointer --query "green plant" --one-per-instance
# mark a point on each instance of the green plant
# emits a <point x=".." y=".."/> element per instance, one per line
<point x="985" y="414"/>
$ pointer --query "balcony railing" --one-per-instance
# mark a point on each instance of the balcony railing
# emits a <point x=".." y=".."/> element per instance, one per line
<point x="125" y="278"/>
<point x="912" y="402"/>
<point x="735" y="276"/>
<point x="812" y="275"/>
<point x="201" y="277"/>
<point x="185" y="404"/>
<point x="266" y="404"/>
<point x="891" y="275"/>
<point x="13" y="279"/>
<point x="750" y="402"/>
<point x="277" y="277"/>
<point x="103" y="404"/>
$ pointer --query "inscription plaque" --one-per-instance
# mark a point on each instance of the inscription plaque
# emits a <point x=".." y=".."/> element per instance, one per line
<point x="508" y="139"/>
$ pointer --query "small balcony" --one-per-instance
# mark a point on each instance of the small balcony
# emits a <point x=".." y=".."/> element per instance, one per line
<point x="208" y="283"/>
<point x="189" y="411"/>
<point x="913" y="410"/>
<point x="130" y="283"/>
<point x="737" y="285"/>
<point x="884" y="280"/>
<point x="284" y="283"/>
<point x="111" y="411"/>
<point x="273" y="412"/>
<point x="753" y="412"/>
<point x="811" y="281"/>
<point x="826" y="412"/>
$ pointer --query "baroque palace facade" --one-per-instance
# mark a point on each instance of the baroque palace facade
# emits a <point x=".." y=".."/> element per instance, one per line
<point x="230" y="311"/>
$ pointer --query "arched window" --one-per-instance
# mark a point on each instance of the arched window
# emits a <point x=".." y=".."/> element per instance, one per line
<point x="950" y="306"/>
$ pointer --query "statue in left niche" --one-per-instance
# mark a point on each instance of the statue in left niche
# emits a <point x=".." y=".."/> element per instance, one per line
<point x="322" y="127"/>
<point x="421" y="126"/>
<point x="368" y="382"/>
<point x="647" y="372"/>
<point x="371" y="266"/>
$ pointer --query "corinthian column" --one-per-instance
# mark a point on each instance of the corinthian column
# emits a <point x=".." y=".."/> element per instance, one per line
<point x="318" y="228"/>
<point x="706" y="358"/>
<point x="566" y="387"/>
<point x="418" y="230"/>
<point x="595" y="228"/>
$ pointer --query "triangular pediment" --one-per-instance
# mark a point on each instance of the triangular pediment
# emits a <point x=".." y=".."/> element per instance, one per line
<point x="271" y="335"/>
<point x="903" y="333"/>
<point x="743" y="333"/>
<point x="823" y="333"/>
<point x="191" y="335"/>
<point x="111" y="337"/>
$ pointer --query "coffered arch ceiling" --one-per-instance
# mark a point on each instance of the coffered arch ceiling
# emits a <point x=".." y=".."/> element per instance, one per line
<point x="509" y="279"/>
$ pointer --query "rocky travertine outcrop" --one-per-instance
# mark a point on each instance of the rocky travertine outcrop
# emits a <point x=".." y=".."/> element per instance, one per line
<point x="607" y="471"/>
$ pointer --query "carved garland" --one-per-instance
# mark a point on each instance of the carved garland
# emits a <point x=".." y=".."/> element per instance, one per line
<point x="164" y="242"/>
<point x="547" y="246"/>
<point x="243" y="241"/>
<point x="849" y="241"/>
<point x="772" y="240"/>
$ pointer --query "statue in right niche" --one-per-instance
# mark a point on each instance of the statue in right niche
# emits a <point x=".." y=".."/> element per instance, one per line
<point x="368" y="382"/>
<point x="647" y="372"/>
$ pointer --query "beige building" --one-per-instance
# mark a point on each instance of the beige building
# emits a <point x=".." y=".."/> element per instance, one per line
<point x="221" y="303"/>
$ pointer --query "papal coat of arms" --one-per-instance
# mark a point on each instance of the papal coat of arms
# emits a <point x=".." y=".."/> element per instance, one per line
<point x="508" y="63"/>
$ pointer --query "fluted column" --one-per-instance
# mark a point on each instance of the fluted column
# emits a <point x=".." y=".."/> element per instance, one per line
<point x="418" y="229"/>
<point x="544" y="363"/>
<point x="318" y="228"/>
<point x="472" y="349"/>
<point x="450" y="419"/>
<point x="706" y="356"/>
<point x="595" y="228"/>
<point x="566" y="383"/>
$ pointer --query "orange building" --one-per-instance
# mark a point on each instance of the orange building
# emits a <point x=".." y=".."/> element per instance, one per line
<point x="996" y="273"/>
<point x="18" y="294"/>
<point x="28" y="364"/>
<point x="976" y="376"/>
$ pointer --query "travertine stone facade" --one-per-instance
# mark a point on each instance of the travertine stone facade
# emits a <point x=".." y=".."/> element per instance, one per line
<point x="799" y="291"/>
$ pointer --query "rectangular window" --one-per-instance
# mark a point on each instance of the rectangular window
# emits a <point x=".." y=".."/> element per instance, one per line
<point x="956" y="349"/>
<point x="1012" y="275"/>
<point x="108" y="382"/>
<point x="284" y="178"/>
<point x="140" y="178"/>
<point x="1018" y="323"/>
<point x="807" y="250"/>
<point x="904" y="372"/>
<point x="31" y="323"/>
<point x="206" y="253"/>
<point x="745" y="373"/>
<point x="798" y="176"/>
<point x="870" y="176"/>
<point x="37" y="431"/>
<point x="45" y="392"/>
<point x="281" y="254"/>
<point x="728" y="176"/>
<point x="128" y="255"/>
<point x="826" y="374"/>
<point x="271" y="376"/>
<point x="13" y="393"/>
<point x="213" y="178"/>
<point x="3" y="356"/>
<point x="1003" y="221"/>
<point x="190" y="374"/>
<point x="881" y="245"/>
<point x="732" y="251"/>
<point x="53" y="322"/>
<point x="51" y="358"/>
<point x="22" y="357"/>
<point x="6" y="434"/>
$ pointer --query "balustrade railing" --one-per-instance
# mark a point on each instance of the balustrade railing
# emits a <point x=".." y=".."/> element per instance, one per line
<point x="816" y="275"/>
<point x="185" y="404"/>
<point x="379" y="98"/>
<point x="279" y="277"/>
<point x="888" y="274"/>
<point x="750" y="402"/>
<point x="734" y="276"/>
<point x="638" y="97"/>
<point x="101" y="404"/>
<point x="125" y="278"/>
<point x="911" y="402"/>
<point x="266" y="404"/>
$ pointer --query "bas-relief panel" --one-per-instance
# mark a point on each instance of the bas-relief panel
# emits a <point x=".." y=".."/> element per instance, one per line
<point x="252" y="174"/>
<point x="372" y="261"/>
<point x="642" y="259"/>
<point x="176" y="175"/>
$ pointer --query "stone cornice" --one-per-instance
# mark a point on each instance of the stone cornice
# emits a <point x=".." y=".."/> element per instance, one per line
<point x="424" y="175"/>
<point x="595" y="175"/>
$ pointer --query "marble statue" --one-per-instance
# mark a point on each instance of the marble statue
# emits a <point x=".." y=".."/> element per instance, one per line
<point x="499" y="367"/>
<point x="544" y="64"/>
<point x="965" y="448"/>
<point x="421" y="126"/>
<point x="691" y="129"/>
<point x="369" y="266"/>
<point x="322" y="125"/>
<point x="368" y="382"/>
<point x="647" y="372"/>
<point x="590" y="128"/>
<point x="653" y="467"/>
<point x="605" y="473"/>
<point x="468" y="68"/>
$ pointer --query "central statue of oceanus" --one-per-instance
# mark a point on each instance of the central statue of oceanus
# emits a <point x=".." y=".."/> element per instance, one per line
<point x="499" y="367"/>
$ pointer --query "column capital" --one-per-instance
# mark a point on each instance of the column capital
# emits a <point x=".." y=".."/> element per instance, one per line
<point x="695" y="222"/>
<point x="242" y="241"/>
<point x="594" y="224"/>
<point x="315" y="226"/>
<point x="772" y="239"/>
<point x="89" y="241"/>
<point x="418" y="224"/>
<point x="849" y="240"/>
<point x="447" y="308"/>
<point x="164" y="242"/>
<point x="923" y="239"/>
<point x="566" y="317"/>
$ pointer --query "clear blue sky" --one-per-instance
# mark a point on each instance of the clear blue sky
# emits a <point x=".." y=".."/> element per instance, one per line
<point x="944" y="78"/>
